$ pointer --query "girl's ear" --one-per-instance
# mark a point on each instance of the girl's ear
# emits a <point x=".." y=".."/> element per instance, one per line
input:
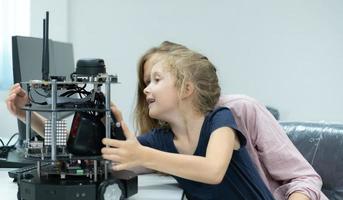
<point x="188" y="90"/>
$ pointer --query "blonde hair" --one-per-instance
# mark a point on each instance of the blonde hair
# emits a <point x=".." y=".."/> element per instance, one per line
<point x="186" y="65"/>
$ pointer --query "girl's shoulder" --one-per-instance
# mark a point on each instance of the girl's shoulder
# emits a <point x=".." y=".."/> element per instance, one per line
<point x="222" y="117"/>
<point x="220" y="113"/>
<point x="157" y="138"/>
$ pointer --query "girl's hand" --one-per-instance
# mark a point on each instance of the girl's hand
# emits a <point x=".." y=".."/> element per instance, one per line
<point x="17" y="98"/>
<point x="125" y="154"/>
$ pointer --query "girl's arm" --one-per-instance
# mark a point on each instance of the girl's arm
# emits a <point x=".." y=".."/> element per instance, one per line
<point x="131" y="153"/>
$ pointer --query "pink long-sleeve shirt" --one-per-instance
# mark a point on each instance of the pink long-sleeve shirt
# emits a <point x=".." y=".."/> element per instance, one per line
<point x="280" y="164"/>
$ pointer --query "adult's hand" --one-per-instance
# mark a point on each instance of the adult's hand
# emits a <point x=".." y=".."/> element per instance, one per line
<point x="17" y="98"/>
<point x="298" y="196"/>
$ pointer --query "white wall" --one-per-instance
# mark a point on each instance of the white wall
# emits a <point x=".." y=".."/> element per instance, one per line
<point x="287" y="54"/>
<point x="8" y="123"/>
<point x="58" y="18"/>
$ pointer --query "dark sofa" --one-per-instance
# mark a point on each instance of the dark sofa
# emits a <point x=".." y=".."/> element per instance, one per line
<point x="322" y="145"/>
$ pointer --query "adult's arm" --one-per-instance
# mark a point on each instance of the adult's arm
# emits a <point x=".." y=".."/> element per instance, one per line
<point x="16" y="99"/>
<point x="282" y="162"/>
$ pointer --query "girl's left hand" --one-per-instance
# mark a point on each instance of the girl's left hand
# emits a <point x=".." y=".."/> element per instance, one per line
<point x="125" y="154"/>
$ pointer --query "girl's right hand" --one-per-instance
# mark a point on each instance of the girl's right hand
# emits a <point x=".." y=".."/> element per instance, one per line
<point x="17" y="98"/>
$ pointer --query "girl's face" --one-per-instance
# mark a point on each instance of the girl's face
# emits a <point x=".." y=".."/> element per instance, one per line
<point x="161" y="93"/>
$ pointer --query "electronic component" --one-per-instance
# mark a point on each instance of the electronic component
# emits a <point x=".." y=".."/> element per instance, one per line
<point x="61" y="132"/>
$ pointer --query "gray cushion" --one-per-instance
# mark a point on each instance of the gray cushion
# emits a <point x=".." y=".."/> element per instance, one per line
<point x="322" y="146"/>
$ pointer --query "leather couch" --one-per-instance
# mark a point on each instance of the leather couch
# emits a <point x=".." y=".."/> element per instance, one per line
<point x="322" y="145"/>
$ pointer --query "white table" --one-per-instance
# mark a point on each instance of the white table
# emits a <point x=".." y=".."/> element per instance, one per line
<point x="150" y="187"/>
<point x="8" y="189"/>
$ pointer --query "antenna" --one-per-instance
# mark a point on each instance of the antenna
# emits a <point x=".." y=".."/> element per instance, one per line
<point x="45" y="56"/>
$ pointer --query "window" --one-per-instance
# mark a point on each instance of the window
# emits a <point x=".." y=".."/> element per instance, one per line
<point x="14" y="20"/>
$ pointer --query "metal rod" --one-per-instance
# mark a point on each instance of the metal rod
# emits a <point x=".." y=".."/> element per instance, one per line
<point x="53" y="118"/>
<point x="106" y="169"/>
<point x="108" y="116"/>
<point x="28" y="127"/>
<point x="38" y="169"/>
<point x="95" y="170"/>
<point x="108" y="106"/>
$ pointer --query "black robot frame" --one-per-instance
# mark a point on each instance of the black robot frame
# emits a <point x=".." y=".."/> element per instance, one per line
<point x="59" y="173"/>
<point x="73" y="169"/>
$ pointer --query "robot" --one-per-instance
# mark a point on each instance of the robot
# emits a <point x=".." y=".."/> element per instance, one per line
<point x="71" y="166"/>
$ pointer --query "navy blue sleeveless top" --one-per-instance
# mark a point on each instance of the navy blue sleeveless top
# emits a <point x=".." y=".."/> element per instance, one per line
<point x="241" y="180"/>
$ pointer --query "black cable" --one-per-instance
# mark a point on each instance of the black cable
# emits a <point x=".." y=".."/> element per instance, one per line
<point x="183" y="195"/>
<point x="33" y="101"/>
<point x="5" y="149"/>
<point x="83" y="87"/>
<point x="12" y="138"/>
<point x="2" y="142"/>
<point x="76" y="90"/>
<point x="9" y="141"/>
<point x="40" y="94"/>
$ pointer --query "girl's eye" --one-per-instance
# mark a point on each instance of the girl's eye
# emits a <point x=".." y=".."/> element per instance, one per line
<point x="147" y="82"/>
<point x="156" y="79"/>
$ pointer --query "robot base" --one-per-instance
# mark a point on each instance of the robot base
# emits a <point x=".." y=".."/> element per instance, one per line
<point x="32" y="187"/>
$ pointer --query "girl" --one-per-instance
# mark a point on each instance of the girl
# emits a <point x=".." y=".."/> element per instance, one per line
<point x="279" y="163"/>
<point x="199" y="145"/>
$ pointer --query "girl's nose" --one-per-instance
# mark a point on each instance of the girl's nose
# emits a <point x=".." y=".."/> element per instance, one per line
<point x="146" y="90"/>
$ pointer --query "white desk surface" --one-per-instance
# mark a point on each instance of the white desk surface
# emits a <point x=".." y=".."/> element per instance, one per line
<point x="150" y="187"/>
